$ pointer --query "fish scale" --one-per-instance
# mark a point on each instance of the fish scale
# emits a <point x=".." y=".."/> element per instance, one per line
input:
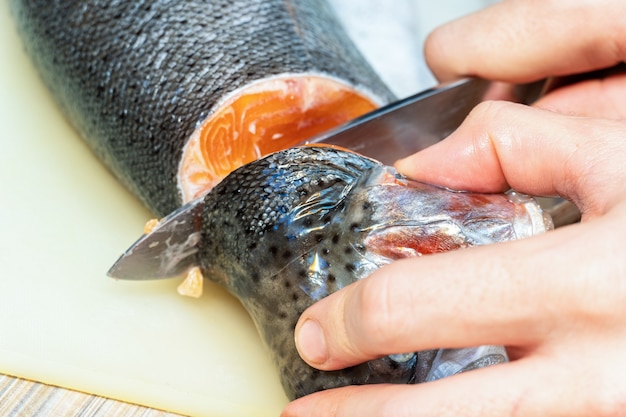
<point x="136" y="78"/>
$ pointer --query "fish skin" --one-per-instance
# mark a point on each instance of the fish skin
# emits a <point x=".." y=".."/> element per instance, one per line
<point x="287" y="230"/>
<point x="136" y="78"/>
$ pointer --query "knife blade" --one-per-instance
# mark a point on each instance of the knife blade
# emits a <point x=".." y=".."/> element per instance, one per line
<point x="409" y="125"/>
<point x="386" y="134"/>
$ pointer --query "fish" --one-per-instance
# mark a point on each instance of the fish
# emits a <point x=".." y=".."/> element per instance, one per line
<point x="291" y="228"/>
<point x="173" y="95"/>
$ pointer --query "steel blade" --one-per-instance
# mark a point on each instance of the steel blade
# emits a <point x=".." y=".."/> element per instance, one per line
<point x="409" y="125"/>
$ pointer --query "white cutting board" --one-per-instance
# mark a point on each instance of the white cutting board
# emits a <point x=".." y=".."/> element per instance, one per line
<point x="63" y="221"/>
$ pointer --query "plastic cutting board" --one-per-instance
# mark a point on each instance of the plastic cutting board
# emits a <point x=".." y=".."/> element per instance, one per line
<point x="64" y="220"/>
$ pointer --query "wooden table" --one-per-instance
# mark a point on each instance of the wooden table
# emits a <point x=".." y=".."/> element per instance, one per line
<point x="19" y="397"/>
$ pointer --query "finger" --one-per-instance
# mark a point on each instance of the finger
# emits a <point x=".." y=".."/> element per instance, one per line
<point x="520" y="41"/>
<point x="531" y="387"/>
<point x="479" y="296"/>
<point x="504" y="145"/>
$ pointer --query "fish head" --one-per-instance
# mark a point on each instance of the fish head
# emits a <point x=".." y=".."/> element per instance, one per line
<point x="285" y="231"/>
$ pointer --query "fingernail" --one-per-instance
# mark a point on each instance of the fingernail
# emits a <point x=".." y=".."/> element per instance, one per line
<point x="312" y="343"/>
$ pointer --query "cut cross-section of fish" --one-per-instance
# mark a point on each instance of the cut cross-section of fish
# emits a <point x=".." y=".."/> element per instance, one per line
<point x="264" y="117"/>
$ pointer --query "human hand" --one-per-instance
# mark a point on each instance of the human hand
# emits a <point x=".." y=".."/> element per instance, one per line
<point x="519" y="41"/>
<point x="557" y="301"/>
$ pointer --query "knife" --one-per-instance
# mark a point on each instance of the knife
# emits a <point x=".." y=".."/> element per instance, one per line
<point x="386" y="134"/>
<point x="409" y="125"/>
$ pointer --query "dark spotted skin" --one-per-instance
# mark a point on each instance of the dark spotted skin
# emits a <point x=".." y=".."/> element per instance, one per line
<point x="287" y="230"/>
<point x="135" y="78"/>
<point x="263" y="227"/>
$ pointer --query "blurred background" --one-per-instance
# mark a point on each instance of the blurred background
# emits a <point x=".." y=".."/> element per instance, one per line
<point x="391" y="33"/>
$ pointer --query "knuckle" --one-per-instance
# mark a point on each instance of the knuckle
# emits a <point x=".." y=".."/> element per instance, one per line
<point x="489" y="109"/>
